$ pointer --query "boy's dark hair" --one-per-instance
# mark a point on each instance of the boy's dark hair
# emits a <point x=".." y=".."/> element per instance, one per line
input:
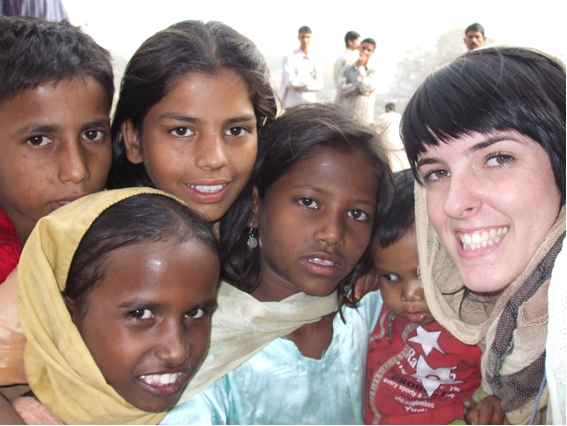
<point x="300" y="132"/>
<point x="390" y="106"/>
<point x="370" y="41"/>
<point x="401" y="216"/>
<point x="487" y="90"/>
<point x="350" y="36"/>
<point x="165" y="58"/>
<point x="304" y="29"/>
<point x="35" y="52"/>
<point x="475" y="27"/>
<point x="135" y="220"/>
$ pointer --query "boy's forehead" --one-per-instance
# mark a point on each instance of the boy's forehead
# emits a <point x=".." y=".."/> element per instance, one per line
<point x="67" y="91"/>
<point x="73" y="86"/>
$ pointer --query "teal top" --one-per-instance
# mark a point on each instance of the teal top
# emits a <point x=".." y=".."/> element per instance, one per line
<point x="278" y="385"/>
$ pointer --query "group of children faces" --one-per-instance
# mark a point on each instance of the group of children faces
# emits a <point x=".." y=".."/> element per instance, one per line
<point x="314" y="221"/>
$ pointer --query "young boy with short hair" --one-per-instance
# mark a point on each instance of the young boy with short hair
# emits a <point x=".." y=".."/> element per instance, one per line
<point x="56" y="89"/>
<point x="416" y="371"/>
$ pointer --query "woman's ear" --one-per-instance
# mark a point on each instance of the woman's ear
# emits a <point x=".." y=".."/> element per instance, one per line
<point x="132" y="142"/>
<point x="254" y="213"/>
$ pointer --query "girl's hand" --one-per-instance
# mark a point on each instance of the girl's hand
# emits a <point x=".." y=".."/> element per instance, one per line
<point x="486" y="412"/>
<point x="363" y="285"/>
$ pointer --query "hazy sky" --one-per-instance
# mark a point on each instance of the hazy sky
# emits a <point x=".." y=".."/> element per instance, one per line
<point x="396" y="25"/>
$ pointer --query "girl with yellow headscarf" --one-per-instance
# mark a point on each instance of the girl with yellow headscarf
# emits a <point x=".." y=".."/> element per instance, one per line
<point x="115" y="299"/>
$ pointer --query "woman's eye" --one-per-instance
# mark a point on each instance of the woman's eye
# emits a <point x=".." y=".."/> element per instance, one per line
<point x="236" y="131"/>
<point x="141" y="314"/>
<point x="38" y="140"/>
<point x="196" y="313"/>
<point x="499" y="160"/>
<point x="181" y="132"/>
<point x="93" y="135"/>
<point x="436" y="175"/>
<point x="358" y="215"/>
<point x="308" y="202"/>
<point x="389" y="277"/>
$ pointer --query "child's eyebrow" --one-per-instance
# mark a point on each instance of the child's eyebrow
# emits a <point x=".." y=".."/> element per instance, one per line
<point x="139" y="304"/>
<point x="39" y="128"/>
<point x="324" y="192"/>
<point x="241" y="119"/>
<point x="189" y="119"/>
<point x="96" y="123"/>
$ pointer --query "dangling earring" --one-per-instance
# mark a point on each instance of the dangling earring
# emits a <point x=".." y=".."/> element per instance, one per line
<point x="252" y="240"/>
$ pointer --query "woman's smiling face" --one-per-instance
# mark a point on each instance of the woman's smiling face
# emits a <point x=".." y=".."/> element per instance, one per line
<point x="492" y="198"/>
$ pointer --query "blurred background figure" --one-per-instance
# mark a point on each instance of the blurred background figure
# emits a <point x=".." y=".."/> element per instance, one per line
<point x="356" y="91"/>
<point x="474" y="36"/>
<point x="388" y="128"/>
<point x="352" y="43"/>
<point x="50" y="10"/>
<point x="302" y="73"/>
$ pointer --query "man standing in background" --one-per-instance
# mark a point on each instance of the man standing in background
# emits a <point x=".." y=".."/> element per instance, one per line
<point x="474" y="36"/>
<point x="356" y="90"/>
<point x="352" y="43"/>
<point x="388" y="128"/>
<point x="302" y="73"/>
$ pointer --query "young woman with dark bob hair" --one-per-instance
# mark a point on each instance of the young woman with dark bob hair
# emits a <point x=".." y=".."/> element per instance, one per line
<point x="485" y="136"/>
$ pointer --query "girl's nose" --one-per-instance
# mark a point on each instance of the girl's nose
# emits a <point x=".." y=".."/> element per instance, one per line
<point x="174" y="347"/>
<point x="331" y="229"/>
<point x="211" y="152"/>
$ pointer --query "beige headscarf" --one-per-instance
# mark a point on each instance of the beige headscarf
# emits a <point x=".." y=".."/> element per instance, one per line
<point x="475" y="320"/>
<point x="59" y="367"/>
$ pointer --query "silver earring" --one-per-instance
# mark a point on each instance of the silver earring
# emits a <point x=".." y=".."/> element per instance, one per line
<point x="252" y="240"/>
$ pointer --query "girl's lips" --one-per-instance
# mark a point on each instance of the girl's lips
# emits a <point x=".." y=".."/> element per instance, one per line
<point x="151" y="385"/>
<point x="209" y="193"/>
<point x="321" y="264"/>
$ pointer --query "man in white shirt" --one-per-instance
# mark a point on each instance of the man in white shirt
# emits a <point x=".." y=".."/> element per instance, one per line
<point x="352" y="43"/>
<point x="302" y="73"/>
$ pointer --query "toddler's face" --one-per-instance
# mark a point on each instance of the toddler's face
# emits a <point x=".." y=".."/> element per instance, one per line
<point x="199" y="142"/>
<point x="402" y="291"/>
<point x="147" y="322"/>
<point x="55" y="145"/>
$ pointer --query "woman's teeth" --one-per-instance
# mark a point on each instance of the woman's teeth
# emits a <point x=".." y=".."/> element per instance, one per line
<point x="482" y="239"/>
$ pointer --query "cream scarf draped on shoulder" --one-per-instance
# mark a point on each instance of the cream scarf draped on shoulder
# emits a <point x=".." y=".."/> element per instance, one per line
<point x="510" y="328"/>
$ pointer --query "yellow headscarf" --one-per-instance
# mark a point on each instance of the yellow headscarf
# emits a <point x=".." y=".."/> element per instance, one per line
<point x="59" y="367"/>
